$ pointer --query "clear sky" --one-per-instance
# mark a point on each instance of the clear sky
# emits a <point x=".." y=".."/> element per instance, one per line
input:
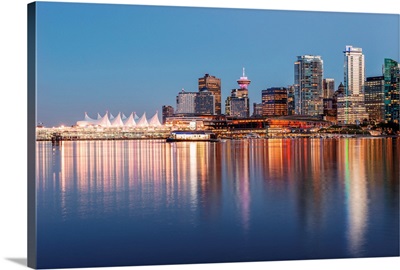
<point x="98" y="57"/>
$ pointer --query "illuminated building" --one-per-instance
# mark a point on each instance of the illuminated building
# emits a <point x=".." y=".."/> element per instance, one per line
<point x="392" y="87"/>
<point x="354" y="71"/>
<point x="185" y="102"/>
<point x="290" y="100"/>
<point x="274" y="101"/>
<point x="204" y="102"/>
<point x="308" y="74"/>
<point x="351" y="107"/>
<point x="213" y="85"/>
<point x="374" y="98"/>
<point x="167" y="111"/>
<point x="238" y="103"/>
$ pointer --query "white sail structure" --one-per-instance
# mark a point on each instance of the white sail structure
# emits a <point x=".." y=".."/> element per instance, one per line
<point x="154" y="121"/>
<point x="117" y="121"/>
<point x="104" y="122"/>
<point x="142" y="122"/>
<point x="130" y="121"/>
<point x="120" y="120"/>
<point x="87" y="118"/>
<point x="87" y="121"/>
<point x="111" y="116"/>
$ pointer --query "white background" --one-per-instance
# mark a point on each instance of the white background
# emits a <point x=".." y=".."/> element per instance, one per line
<point x="13" y="103"/>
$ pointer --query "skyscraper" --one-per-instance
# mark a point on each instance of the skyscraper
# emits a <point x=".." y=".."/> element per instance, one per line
<point x="374" y="98"/>
<point x="213" y="85"/>
<point x="351" y="107"/>
<point x="308" y="74"/>
<point x="392" y="87"/>
<point x="290" y="100"/>
<point x="354" y="71"/>
<point x="238" y="103"/>
<point x="274" y="101"/>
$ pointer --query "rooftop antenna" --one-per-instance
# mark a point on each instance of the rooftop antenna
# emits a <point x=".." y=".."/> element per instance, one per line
<point x="243" y="72"/>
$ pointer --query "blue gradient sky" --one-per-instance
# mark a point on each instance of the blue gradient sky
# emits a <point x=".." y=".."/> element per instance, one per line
<point x="96" y="57"/>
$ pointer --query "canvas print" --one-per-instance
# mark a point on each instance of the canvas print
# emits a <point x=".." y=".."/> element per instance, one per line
<point x="179" y="135"/>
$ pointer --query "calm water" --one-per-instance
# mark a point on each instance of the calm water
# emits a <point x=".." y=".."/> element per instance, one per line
<point x="103" y="203"/>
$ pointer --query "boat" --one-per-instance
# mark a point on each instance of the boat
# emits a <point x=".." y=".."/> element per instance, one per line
<point x="192" y="136"/>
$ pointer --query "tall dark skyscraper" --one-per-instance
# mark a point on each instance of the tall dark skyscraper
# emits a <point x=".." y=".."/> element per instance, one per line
<point x="392" y="86"/>
<point x="213" y="85"/>
<point x="290" y="100"/>
<point x="374" y="89"/>
<point x="308" y="74"/>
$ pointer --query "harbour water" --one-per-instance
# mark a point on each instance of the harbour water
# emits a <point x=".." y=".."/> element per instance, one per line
<point x="140" y="202"/>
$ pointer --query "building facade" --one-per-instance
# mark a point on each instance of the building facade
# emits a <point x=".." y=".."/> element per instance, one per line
<point x="351" y="107"/>
<point x="167" y="111"/>
<point x="392" y="85"/>
<point x="374" y="89"/>
<point x="274" y="101"/>
<point x="328" y="86"/>
<point x="185" y="102"/>
<point x="204" y="102"/>
<point x="213" y="84"/>
<point x="354" y="71"/>
<point x="290" y="100"/>
<point x="257" y="109"/>
<point x="308" y="87"/>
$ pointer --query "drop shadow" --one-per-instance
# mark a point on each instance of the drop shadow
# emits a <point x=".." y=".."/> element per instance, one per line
<point x="20" y="261"/>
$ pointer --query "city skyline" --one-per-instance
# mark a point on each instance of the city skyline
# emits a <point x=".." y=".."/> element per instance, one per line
<point x="95" y="58"/>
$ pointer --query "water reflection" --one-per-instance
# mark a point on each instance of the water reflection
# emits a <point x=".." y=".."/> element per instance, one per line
<point x="305" y="198"/>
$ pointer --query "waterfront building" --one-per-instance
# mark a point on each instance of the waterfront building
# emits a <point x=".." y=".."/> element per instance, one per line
<point x="308" y="76"/>
<point x="274" y="101"/>
<point x="328" y="86"/>
<point x="167" y="111"/>
<point x="185" y="102"/>
<point x="375" y="98"/>
<point x="213" y="84"/>
<point x="392" y="89"/>
<point x="351" y="107"/>
<point x="290" y="100"/>
<point x="257" y="109"/>
<point x="204" y="102"/>
<point x="238" y="103"/>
